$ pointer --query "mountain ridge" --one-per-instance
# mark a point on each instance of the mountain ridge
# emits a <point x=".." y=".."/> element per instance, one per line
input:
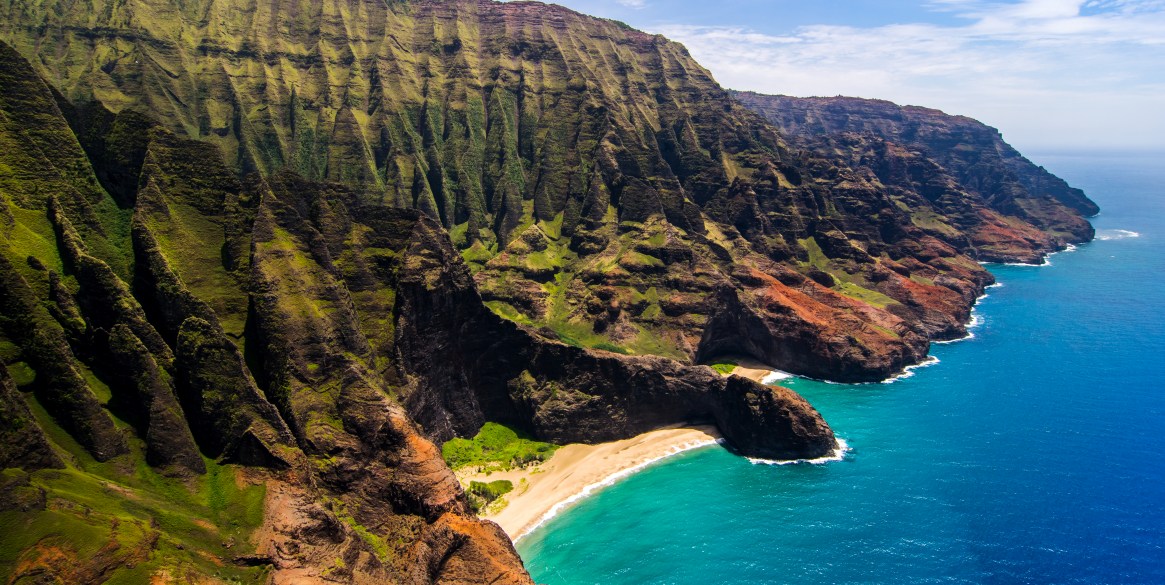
<point x="296" y="249"/>
<point x="263" y="331"/>
<point x="939" y="134"/>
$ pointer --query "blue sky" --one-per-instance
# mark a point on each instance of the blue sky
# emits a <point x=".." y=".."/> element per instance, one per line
<point x="1050" y="74"/>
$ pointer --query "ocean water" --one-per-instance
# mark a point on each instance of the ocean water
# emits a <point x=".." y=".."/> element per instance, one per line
<point x="1033" y="452"/>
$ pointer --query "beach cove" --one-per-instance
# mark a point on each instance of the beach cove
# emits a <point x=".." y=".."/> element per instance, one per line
<point x="577" y="471"/>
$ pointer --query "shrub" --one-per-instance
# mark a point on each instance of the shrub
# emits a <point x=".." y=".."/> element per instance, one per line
<point x="496" y="446"/>
<point x="482" y="494"/>
<point x="724" y="367"/>
<point x="492" y="490"/>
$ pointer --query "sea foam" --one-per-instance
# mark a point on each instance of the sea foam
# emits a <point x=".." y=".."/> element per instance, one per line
<point x="908" y="371"/>
<point x="985" y="295"/>
<point x="837" y="455"/>
<point x="975" y="321"/>
<point x="775" y="376"/>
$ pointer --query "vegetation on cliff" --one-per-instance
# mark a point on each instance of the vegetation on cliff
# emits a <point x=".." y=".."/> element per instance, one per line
<point x="495" y="446"/>
<point x="967" y="158"/>
<point x="599" y="182"/>
<point x="597" y="179"/>
<point x="256" y="265"/>
<point x="484" y="494"/>
<point x="724" y="367"/>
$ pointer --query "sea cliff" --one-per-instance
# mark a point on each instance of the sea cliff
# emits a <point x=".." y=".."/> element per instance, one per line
<point x="259" y="261"/>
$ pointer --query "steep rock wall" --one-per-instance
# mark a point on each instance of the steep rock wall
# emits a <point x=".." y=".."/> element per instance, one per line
<point x="599" y="182"/>
<point x="201" y="343"/>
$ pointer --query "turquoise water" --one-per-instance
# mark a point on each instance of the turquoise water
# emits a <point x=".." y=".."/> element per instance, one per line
<point x="1031" y="453"/>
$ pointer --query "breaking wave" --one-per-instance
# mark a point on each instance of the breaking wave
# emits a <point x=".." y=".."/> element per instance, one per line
<point x="908" y="371"/>
<point x="837" y="455"/>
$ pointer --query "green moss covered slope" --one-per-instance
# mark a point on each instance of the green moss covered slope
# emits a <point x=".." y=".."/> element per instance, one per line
<point x="257" y="261"/>
<point x="212" y="375"/>
<point x="600" y="183"/>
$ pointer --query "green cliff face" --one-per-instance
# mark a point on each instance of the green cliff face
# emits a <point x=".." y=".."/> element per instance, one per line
<point x="209" y="377"/>
<point x="258" y="260"/>
<point x="599" y="182"/>
<point x="139" y="443"/>
<point x="484" y="115"/>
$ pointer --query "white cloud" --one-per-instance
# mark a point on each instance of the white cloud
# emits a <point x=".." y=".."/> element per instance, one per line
<point x="633" y="3"/>
<point x="1046" y="72"/>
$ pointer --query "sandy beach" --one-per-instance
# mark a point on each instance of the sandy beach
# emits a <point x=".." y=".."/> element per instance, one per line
<point x="576" y="471"/>
<point x="751" y="370"/>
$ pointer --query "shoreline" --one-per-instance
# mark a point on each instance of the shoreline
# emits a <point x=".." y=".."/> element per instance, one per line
<point x="576" y="471"/>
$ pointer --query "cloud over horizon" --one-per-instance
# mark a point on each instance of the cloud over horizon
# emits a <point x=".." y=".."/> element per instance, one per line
<point x="1049" y="73"/>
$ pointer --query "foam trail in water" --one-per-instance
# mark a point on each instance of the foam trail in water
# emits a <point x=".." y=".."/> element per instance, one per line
<point x="611" y="479"/>
<point x="1105" y="235"/>
<point x="837" y="455"/>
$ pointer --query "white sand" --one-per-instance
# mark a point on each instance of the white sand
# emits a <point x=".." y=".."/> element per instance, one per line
<point x="575" y="471"/>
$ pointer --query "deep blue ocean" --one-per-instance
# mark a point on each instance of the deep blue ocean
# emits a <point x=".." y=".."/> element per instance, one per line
<point x="1033" y="452"/>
